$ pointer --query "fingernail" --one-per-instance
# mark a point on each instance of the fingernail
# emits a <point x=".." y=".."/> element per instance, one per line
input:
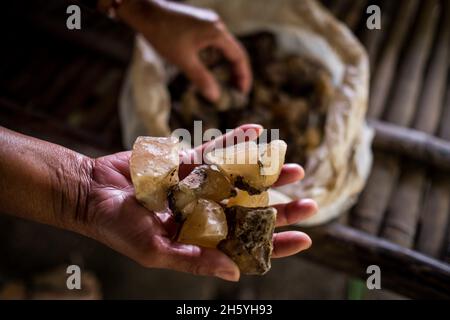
<point x="252" y="126"/>
<point x="309" y="243"/>
<point x="229" y="275"/>
<point x="298" y="168"/>
<point x="257" y="126"/>
<point x="311" y="203"/>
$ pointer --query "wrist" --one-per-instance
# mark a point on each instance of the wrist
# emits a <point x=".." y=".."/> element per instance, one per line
<point x="141" y="15"/>
<point x="71" y="185"/>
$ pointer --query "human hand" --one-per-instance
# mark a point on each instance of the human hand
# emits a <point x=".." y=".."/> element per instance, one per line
<point x="115" y="218"/>
<point x="179" y="32"/>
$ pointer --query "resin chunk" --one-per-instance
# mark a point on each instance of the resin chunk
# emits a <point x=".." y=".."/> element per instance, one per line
<point x="249" y="240"/>
<point x="251" y="167"/>
<point x="244" y="199"/>
<point x="205" y="226"/>
<point x="206" y="182"/>
<point x="154" y="169"/>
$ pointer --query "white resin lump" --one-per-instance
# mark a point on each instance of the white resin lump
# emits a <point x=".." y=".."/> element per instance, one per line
<point x="154" y="166"/>
<point x="249" y="166"/>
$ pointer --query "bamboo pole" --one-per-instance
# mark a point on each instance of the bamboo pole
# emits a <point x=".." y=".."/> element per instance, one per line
<point x="431" y="102"/>
<point x="373" y="39"/>
<point x="384" y="73"/>
<point x="444" y="130"/>
<point x="435" y="212"/>
<point x="402" y="106"/>
<point x="412" y="143"/>
<point x="400" y="112"/>
<point x="434" y="216"/>
<point x="403" y="211"/>
<point x="403" y="270"/>
<point x="353" y="15"/>
<point x="368" y="213"/>
<point x="391" y="140"/>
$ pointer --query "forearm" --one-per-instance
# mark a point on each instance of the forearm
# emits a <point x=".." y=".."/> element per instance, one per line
<point x="140" y="15"/>
<point x="42" y="181"/>
<point x="148" y="17"/>
<point x="137" y="14"/>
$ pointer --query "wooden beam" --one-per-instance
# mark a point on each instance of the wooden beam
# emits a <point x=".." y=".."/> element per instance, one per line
<point x="412" y="143"/>
<point x="404" y="271"/>
<point x="117" y="47"/>
<point x="40" y="126"/>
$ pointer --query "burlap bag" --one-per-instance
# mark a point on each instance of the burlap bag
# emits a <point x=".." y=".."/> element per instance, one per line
<point x="337" y="170"/>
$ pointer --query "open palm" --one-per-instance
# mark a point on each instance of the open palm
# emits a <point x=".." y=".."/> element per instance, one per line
<point x="123" y="224"/>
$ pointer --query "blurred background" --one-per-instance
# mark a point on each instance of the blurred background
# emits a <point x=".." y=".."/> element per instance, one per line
<point x="63" y="86"/>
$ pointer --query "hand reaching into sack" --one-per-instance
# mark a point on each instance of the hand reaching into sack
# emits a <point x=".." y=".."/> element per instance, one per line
<point x="179" y="32"/>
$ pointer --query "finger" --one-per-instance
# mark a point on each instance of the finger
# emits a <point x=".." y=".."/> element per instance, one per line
<point x="243" y="133"/>
<point x="289" y="243"/>
<point x="196" y="260"/>
<point x="167" y="219"/>
<point x="238" y="57"/>
<point x="295" y="211"/>
<point x="202" y="78"/>
<point x="290" y="173"/>
<point x="194" y="157"/>
<point x="120" y="161"/>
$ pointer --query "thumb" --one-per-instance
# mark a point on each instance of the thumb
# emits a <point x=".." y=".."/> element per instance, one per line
<point x="196" y="260"/>
<point x="202" y="78"/>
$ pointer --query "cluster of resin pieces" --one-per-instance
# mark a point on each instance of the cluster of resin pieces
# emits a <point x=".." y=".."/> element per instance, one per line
<point x="222" y="204"/>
